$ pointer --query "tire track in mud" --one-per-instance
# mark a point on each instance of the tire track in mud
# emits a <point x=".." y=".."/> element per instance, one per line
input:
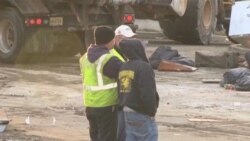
<point x="17" y="135"/>
<point x="4" y="80"/>
<point x="229" y="128"/>
<point x="15" y="74"/>
<point x="7" y="76"/>
<point x="41" y="121"/>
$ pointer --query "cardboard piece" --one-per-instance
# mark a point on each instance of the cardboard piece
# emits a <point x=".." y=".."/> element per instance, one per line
<point x="171" y="66"/>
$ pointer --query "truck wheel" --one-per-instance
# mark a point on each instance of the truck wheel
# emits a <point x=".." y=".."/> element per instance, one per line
<point x="11" y="34"/>
<point x="197" y="24"/>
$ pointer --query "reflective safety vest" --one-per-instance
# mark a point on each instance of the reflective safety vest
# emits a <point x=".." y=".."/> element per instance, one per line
<point x="115" y="53"/>
<point x="99" y="90"/>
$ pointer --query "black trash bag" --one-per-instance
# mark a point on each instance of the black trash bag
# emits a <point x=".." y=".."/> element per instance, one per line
<point x="184" y="61"/>
<point x="233" y="75"/>
<point x="243" y="84"/>
<point x="160" y="54"/>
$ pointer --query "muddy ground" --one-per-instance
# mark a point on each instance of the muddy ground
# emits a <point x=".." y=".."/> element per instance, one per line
<point x="48" y="93"/>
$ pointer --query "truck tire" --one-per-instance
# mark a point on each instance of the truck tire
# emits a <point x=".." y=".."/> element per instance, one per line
<point x="197" y="24"/>
<point x="11" y="34"/>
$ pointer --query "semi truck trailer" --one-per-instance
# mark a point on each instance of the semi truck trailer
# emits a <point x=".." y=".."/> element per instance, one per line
<point x="55" y="27"/>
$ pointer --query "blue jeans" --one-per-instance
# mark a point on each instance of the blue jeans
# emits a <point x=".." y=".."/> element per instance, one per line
<point x="121" y="134"/>
<point x="140" y="127"/>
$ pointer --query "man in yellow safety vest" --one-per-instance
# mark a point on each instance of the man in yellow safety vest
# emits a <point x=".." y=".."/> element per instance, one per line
<point x="100" y="70"/>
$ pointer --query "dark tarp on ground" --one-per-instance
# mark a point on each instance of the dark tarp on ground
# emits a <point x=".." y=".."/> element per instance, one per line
<point x="239" y="77"/>
<point x="243" y="84"/>
<point x="212" y="59"/>
<point x="166" y="53"/>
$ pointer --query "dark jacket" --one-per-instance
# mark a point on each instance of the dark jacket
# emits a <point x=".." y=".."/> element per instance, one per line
<point x="112" y="68"/>
<point x="118" y="50"/>
<point x="140" y="47"/>
<point x="137" y="87"/>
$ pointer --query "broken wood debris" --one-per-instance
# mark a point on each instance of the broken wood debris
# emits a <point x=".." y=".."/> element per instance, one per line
<point x="4" y="121"/>
<point x="203" y="120"/>
<point x="12" y="95"/>
<point x="211" y="81"/>
<point x="172" y="66"/>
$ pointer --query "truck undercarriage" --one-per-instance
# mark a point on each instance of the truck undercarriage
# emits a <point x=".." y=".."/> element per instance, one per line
<point x="187" y="21"/>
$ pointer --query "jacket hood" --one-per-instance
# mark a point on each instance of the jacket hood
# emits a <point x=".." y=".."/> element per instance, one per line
<point x="133" y="49"/>
<point x="95" y="51"/>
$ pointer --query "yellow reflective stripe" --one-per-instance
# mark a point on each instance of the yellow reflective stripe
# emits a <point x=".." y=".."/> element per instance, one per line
<point x="99" y="88"/>
<point x="81" y="63"/>
<point x="98" y="70"/>
<point x="100" y="85"/>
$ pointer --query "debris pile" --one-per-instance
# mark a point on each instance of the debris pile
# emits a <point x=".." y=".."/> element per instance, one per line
<point x="166" y="59"/>
<point x="4" y="121"/>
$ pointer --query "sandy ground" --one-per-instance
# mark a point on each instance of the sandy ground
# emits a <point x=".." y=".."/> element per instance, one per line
<point x="48" y="93"/>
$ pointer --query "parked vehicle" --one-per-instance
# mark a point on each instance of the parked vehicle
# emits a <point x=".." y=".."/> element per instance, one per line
<point x="187" y="21"/>
<point x="54" y="27"/>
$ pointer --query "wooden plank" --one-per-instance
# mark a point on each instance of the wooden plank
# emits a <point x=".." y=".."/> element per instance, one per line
<point x="211" y="80"/>
<point x="203" y="120"/>
<point x="172" y="66"/>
